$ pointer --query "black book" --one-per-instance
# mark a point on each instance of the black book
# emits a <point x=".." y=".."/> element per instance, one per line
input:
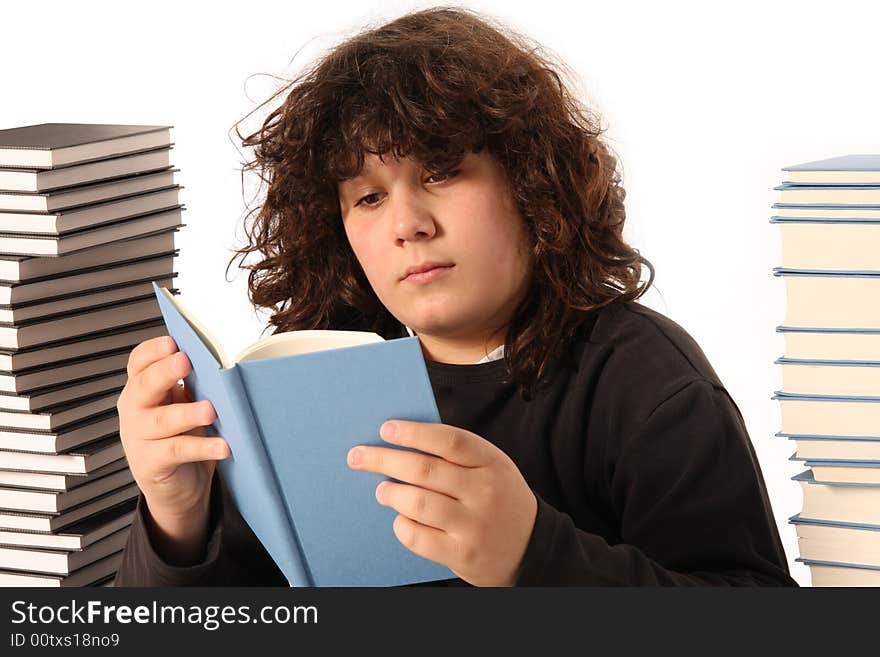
<point x="47" y="501"/>
<point x="85" y="298"/>
<point x="62" y="222"/>
<point x="52" y="522"/>
<point x="68" y="391"/>
<point x="99" y="573"/>
<point x="24" y="370"/>
<point x="93" y="279"/>
<point x="72" y="197"/>
<point x="94" y="320"/>
<point x="58" y="245"/>
<point x="36" y="180"/>
<point x="83" y="460"/>
<point x="103" y="424"/>
<point x="53" y="481"/>
<point x="78" y="535"/>
<point x="44" y="378"/>
<point x="20" y="269"/>
<point x="58" y="418"/>
<point x="54" y="145"/>
<point x="61" y="562"/>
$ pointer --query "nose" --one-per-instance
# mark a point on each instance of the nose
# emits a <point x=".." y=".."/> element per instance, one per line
<point x="411" y="217"/>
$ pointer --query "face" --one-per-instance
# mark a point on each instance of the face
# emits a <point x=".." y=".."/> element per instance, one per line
<point x="463" y="227"/>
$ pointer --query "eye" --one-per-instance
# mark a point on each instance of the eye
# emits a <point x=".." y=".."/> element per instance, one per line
<point x="443" y="176"/>
<point x="365" y="200"/>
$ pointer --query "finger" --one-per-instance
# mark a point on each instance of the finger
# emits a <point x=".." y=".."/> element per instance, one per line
<point x="416" y="468"/>
<point x="178" y="450"/>
<point x="151" y="386"/>
<point x="450" y="443"/>
<point x="425" y="506"/>
<point x="172" y="419"/>
<point x="425" y="541"/>
<point x="148" y="352"/>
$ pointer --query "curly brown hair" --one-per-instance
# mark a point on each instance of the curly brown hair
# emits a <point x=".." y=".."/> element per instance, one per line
<point x="433" y="85"/>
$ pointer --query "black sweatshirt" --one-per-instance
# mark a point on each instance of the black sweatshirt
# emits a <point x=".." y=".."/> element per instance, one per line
<point x="640" y="461"/>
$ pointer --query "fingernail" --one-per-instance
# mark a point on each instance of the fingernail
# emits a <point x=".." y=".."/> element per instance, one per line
<point x="355" y="456"/>
<point x="220" y="450"/>
<point x="380" y="491"/>
<point x="388" y="430"/>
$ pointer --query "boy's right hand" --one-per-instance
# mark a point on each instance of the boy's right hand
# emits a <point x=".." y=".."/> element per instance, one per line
<point x="167" y="448"/>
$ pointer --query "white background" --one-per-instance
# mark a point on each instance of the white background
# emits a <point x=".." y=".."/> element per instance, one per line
<point x="703" y="103"/>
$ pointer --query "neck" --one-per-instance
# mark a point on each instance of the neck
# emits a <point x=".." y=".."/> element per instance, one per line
<point x="459" y="351"/>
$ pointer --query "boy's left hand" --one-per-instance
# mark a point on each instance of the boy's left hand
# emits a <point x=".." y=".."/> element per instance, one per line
<point x="468" y="507"/>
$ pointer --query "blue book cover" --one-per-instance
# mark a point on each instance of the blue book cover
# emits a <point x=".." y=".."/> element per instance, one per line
<point x="782" y="360"/>
<point x="783" y="271"/>
<point x="838" y="564"/>
<point x="856" y="162"/>
<point x="807" y="477"/>
<point x="792" y="186"/>
<point x="290" y="421"/>
<point x="806" y="329"/>
<point x="798" y="519"/>
<point x="802" y="436"/>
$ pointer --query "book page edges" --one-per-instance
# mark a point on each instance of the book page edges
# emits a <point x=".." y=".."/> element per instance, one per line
<point x="210" y="342"/>
<point x="273" y="346"/>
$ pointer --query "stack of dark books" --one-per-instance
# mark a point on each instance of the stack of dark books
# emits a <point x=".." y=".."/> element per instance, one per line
<point x="88" y="215"/>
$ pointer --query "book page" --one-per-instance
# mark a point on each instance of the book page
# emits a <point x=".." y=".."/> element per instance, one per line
<point x="206" y="337"/>
<point x="303" y="342"/>
<point x="274" y="346"/>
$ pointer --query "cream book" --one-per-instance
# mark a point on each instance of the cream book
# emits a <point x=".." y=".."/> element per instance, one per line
<point x="847" y="503"/>
<point x="828" y="416"/>
<point x="830" y="344"/>
<point x="830" y="245"/>
<point x="826" y="300"/>
<point x="833" y="378"/>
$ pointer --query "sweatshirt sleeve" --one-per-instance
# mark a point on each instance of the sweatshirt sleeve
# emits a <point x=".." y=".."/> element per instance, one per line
<point x="690" y="502"/>
<point x="233" y="556"/>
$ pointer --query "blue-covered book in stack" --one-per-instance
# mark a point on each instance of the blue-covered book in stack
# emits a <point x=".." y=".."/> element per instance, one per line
<point x="829" y="217"/>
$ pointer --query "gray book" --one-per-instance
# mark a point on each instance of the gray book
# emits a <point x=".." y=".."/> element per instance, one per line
<point x="46" y="377"/>
<point x="72" y="197"/>
<point x="88" y="297"/>
<point x="93" y="320"/>
<point x="61" y="222"/>
<point x="22" y="269"/>
<point x="66" y="438"/>
<point x="88" y="280"/>
<point x="102" y="570"/>
<point x="58" y="245"/>
<point x="53" y="481"/>
<point x="82" y="460"/>
<point x="54" y="145"/>
<point x="53" y="522"/>
<point x="64" y="392"/>
<point x="77" y="536"/>
<point x="61" y="562"/>
<point x="48" y="501"/>
<point x="58" y="418"/>
<point x="36" y="180"/>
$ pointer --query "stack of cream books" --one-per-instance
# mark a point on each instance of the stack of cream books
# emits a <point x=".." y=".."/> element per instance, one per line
<point x="829" y="215"/>
<point x="88" y="215"/>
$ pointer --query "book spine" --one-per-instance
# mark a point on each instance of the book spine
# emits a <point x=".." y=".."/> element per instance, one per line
<point x="292" y="560"/>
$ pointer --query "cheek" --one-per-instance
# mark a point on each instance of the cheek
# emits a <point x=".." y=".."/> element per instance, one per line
<point x="367" y="253"/>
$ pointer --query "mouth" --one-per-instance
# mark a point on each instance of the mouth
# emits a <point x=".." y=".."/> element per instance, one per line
<point x="428" y="273"/>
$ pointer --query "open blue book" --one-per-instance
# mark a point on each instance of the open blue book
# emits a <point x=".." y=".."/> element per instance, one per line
<point x="291" y="406"/>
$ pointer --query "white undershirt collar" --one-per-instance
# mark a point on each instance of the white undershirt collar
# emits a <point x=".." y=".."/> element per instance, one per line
<point x="495" y="354"/>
